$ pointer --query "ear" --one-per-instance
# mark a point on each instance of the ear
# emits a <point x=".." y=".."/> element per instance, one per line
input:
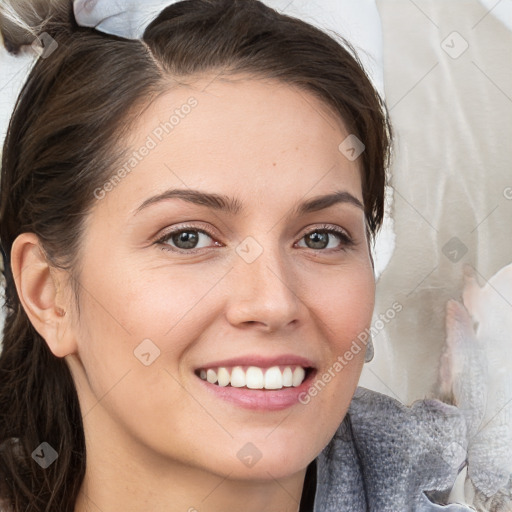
<point x="39" y="288"/>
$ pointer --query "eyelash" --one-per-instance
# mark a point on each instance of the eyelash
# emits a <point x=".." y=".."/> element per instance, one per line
<point x="347" y="241"/>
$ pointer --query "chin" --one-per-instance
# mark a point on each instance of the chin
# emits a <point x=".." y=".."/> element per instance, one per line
<point x="272" y="455"/>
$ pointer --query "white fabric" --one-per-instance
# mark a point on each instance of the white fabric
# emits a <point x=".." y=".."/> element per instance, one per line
<point x="123" y="18"/>
<point x="452" y="176"/>
<point x="500" y="9"/>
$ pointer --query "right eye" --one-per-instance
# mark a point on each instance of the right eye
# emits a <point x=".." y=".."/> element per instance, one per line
<point x="185" y="239"/>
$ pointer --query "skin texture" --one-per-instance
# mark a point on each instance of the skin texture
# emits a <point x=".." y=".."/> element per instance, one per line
<point x="156" y="440"/>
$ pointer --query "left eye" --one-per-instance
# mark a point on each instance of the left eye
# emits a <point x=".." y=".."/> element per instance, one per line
<point x="186" y="239"/>
<point x="320" y="237"/>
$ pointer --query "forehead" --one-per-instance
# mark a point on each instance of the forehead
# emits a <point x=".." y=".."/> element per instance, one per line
<point x="256" y="135"/>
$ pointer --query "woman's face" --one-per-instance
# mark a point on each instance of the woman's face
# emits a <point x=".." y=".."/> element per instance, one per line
<point x="252" y="281"/>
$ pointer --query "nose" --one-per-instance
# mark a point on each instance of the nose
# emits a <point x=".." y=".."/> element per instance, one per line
<point x="263" y="292"/>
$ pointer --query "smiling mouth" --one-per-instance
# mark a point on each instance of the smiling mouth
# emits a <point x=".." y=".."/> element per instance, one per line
<point x="254" y="377"/>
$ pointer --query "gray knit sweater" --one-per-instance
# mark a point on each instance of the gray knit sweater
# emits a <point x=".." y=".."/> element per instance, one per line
<point x="387" y="456"/>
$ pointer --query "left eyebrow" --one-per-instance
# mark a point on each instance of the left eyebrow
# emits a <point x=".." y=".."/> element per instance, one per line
<point x="322" y="202"/>
<point x="234" y="206"/>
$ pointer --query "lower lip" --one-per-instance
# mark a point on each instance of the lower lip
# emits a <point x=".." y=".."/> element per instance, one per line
<point x="260" y="399"/>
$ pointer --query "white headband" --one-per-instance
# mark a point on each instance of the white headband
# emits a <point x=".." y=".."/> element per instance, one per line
<point x="123" y="18"/>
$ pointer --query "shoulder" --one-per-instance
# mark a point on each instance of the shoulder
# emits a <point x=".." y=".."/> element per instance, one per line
<point x="394" y="456"/>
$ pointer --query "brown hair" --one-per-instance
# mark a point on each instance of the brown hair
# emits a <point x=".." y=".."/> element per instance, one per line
<point x="65" y="139"/>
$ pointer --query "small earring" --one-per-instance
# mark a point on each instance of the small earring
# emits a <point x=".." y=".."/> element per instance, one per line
<point x="368" y="356"/>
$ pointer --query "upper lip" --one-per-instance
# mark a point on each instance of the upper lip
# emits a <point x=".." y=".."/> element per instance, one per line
<point x="261" y="361"/>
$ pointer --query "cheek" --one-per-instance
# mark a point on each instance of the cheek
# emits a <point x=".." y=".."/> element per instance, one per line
<point x="126" y="314"/>
<point x="126" y="303"/>
<point x="124" y="321"/>
<point x="346" y="304"/>
<point x="344" y="314"/>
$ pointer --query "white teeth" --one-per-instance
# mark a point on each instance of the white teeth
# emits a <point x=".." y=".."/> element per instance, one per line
<point x="254" y="377"/>
<point x="298" y="376"/>
<point x="223" y="377"/>
<point x="237" y="377"/>
<point x="273" y="378"/>
<point x="287" y="377"/>
<point x="211" y="376"/>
